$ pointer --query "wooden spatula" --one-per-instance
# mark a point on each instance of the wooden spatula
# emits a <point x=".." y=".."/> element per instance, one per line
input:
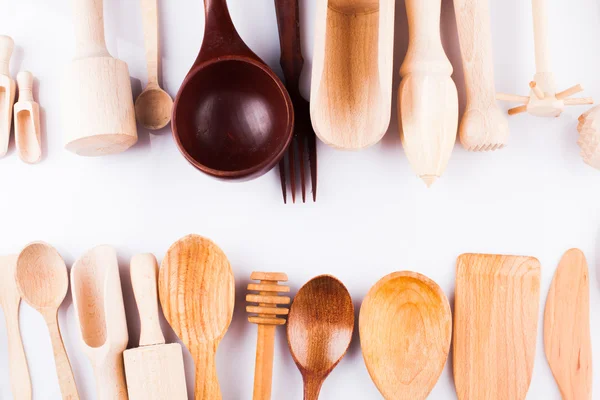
<point x="154" y="370"/>
<point x="495" y="325"/>
<point x="567" y="338"/>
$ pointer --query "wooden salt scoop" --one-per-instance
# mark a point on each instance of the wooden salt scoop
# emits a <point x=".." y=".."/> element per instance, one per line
<point x="100" y="315"/>
<point x="27" y="121"/>
<point x="495" y="325"/>
<point x="567" y="338"/>
<point x="7" y="92"/>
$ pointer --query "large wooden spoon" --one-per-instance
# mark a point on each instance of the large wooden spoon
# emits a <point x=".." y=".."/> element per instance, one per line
<point x="320" y="326"/>
<point x="43" y="282"/>
<point x="567" y="338"/>
<point x="405" y="332"/>
<point x="197" y="294"/>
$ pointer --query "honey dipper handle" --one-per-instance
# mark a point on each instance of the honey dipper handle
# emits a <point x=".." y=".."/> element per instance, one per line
<point x="144" y="275"/>
<point x="263" y="371"/>
<point x="89" y="29"/>
<point x="150" y="21"/>
<point x="207" y="382"/>
<point x="288" y="21"/>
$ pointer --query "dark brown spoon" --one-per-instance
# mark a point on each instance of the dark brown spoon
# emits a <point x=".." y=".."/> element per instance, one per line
<point x="232" y="118"/>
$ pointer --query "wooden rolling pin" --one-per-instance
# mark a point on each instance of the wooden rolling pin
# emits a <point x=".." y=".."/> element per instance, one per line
<point x="7" y="92"/>
<point x="483" y="126"/>
<point x="427" y="98"/>
<point x="267" y="316"/>
<point x="98" y="111"/>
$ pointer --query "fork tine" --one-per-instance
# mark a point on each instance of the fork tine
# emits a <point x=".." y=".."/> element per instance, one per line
<point x="312" y="158"/>
<point x="291" y="161"/>
<point x="301" y="157"/>
<point x="282" y="176"/>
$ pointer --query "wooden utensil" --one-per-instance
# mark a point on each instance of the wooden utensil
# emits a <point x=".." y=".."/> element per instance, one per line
<point x="197" y="294"/>
<point x="241" y="109"/>
<point x="27" y="121"/>
<point x="10" y="300"/>
<point x="154" y="370"/>
<point x="427" y="97"/>
<point x="7" y="92"/>
<point x="567" y="338"/>
<point x="495" y="325"/>
<point x="405" y="332"/>
<point x="483" y="125"/>
<point x="351" y="95"/>
<point x="320" y="326"/>
<point x="43" y="282"/>
<point x="288" y="22"/>
<point x="98" y="112"/>
<point x="267" y="316"/>
<point x="589" y="137"/>
<point x="153" y="106"/>
<point x="543" y="100"/>
<point x="100" y="314"/>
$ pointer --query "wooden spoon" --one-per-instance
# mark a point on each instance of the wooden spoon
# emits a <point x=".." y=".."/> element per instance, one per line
<point x="320" y="326"/>
<point x="153" y="106"/>
<point x="100" y="313"/>
<point x="197" y="294"/>
<point x="405" y="332"/>
<point x="232" y="118"/>
<point x="567" y="338"/>
<point x="43" y="282"/>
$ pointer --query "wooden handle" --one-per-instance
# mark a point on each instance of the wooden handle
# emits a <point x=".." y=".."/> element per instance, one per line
<point x="207" y="382"/>
<point x="150" y="21"/>
<point x="312" y="388"/>
<point x="110" y="378"/>
<point x="220" y="36"/>
<point x="288" y="21"/>
<point x="25" y="82"/>
<point x="66" y="379"/>
<point x="144" y="275"/>
<point x="263" y="374"/>
<point x="7" y="45"/>
<point x="20" y="383"/>
<point x="89" y="29"/>
<point x="540" y="34"/>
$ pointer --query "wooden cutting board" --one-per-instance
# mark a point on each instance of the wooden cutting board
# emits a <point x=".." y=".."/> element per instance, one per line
<point x="567" y="340"/>
<point x="495" y="325"/>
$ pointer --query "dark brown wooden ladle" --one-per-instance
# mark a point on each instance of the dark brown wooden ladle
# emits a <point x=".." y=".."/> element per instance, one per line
<point x="232" y="117"/>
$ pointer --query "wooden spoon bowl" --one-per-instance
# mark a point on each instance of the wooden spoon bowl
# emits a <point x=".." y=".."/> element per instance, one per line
<point x="153" y="108"/>
<point x="405" y="331"/>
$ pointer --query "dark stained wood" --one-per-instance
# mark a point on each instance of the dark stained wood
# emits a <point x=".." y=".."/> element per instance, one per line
<point x="232" y="117"/>
<point x="320" y="326"/>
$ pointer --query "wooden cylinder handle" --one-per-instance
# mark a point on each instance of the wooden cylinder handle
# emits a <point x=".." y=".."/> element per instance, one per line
<point x="144" y="275"/>
<point x="89" y="29"/>
<point x="25" y="82"/>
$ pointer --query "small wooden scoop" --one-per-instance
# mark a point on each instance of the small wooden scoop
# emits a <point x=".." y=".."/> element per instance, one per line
<point x="154" y="370"/>
<point x="10" y="300"/>
<point x="567" y="338"/>
<point x="100" y="314"/>
<point x="495" y="325"/>
<point x="320" y="326"/>
<point x="405" y="331"/>
<point x="27" y="121"/>
<point x="197" y="293"/>
<point x="7" y="92"/>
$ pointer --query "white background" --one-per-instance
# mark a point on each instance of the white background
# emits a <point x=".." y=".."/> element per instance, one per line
<point x="373" y="216"/>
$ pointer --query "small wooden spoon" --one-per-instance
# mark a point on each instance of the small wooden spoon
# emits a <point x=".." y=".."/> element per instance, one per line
<point x="320" y="326"/>
<point x="567" y="338"/>
<point x="197" y="294"/>
<point x="405" y="332"/>
<point x="153" y="106"/>
<point x="43" y="282"/>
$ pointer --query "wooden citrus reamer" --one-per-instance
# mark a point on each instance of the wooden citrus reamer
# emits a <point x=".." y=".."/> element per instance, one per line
<point x="267" y="316"/>
<point x="543" y="99"/>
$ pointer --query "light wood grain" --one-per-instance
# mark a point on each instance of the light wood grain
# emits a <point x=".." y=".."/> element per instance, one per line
<point x="427" y="97"/>
<point x="405" y="332"/>
<point x="264" y="311"/>
<point x="7" y="92"/>
<point x="10" y="300"/>
<point x="483" y="125"/>
<point x="154" y="370"/>
<point x="100" y="316"/>
<point x="589" y="137"/>
<point x="97" y="102"/>
<point x="27" y="121"/>
<point x="43" y="282"/>
<point x="495" y="325"/>
<point x="197" y="294"/>
<point x="567" y="338"/>
<point x="352" y="71"/>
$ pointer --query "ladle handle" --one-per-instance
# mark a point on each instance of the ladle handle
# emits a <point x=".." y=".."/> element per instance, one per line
<point x="292" y="62"/>
<point x="110" y="378"/>
<point x="89" y="29"/>
<point x="312" y="388"/>
<point x="207" y="381"/>
<point x="150" y="22"/>
<point x="144" y="274"/>
<point x="66" y="380"/>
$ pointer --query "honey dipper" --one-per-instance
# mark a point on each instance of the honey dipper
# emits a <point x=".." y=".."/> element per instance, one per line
<point x="267" y="316"/>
